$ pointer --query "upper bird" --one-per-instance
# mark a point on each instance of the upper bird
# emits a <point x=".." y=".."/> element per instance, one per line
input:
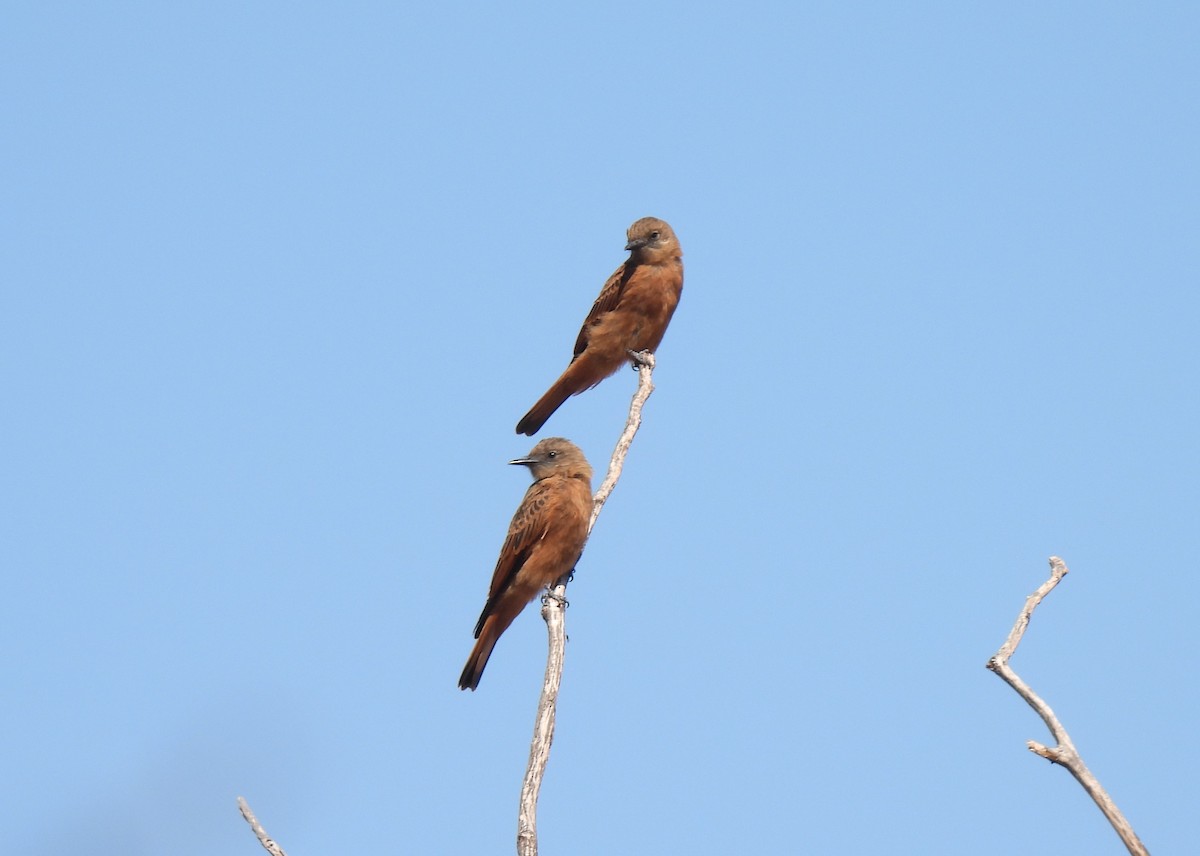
<point x="545" y="540"/>
<point x="631" y="314"/>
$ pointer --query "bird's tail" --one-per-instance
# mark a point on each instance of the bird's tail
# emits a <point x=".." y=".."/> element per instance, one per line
<point x="570" y="383"/>
<point x="473" y="671"/>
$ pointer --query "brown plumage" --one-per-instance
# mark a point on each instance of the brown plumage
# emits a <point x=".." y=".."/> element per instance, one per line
<point x="545" y="540"/>
<point x="631" y="314"/>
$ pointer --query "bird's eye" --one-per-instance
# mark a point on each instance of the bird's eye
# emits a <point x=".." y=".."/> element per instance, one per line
<point x="552" y="454"/>
<point x="654" y="235"/>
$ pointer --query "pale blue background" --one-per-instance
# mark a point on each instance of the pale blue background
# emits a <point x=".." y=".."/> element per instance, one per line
<point x="274" y="276"/>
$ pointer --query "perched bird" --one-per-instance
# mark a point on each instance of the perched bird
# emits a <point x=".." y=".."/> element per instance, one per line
<point x="631" y="314"/>
<point x="545" y="540"/>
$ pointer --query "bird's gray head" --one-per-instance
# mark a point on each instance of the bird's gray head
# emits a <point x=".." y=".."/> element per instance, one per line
<point x="555" y="456"/>
<point x="651" y="240"/>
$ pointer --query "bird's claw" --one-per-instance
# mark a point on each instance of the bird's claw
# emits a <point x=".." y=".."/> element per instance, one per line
<point x="641" y="358"/>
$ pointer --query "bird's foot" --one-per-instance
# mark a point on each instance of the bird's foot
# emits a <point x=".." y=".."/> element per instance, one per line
<point x="640" y="359"/>
<point x="550" y="596"/>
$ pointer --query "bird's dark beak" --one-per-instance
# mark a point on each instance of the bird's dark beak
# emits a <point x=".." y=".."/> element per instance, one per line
<point x="635" y="244"/>
<point x="523" y="461"/>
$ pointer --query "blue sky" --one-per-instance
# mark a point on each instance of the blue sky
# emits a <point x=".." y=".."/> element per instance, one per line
<point x="280" y="279"/>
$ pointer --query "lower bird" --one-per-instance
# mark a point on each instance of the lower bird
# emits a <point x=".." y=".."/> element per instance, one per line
<point x="545" y="540"/>
<point x="631" y="314"/>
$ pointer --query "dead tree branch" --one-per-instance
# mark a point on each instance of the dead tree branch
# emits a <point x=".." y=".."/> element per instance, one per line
<point x="1064" y="753"/>
<point x="265" y="840"/>
<point x="553" y="605"/>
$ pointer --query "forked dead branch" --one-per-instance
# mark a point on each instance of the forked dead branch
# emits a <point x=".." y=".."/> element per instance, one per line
<point x="1064" y="753"/>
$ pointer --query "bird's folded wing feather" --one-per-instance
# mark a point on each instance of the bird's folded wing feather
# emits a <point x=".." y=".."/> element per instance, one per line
<point x="609" y="297"/>
<point x="528" y="526"/>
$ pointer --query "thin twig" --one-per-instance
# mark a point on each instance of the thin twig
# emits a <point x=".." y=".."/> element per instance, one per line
<point x="265" y="840"/>
<point x="553" y="605"/>
<point x="1064" y="753"/>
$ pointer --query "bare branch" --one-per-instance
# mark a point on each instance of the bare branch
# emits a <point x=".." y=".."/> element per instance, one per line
<point x="645" y="364"/>
<point x="265" y="840"/>
<point x="1064" y="753"/>
<point x="553" y="605"/>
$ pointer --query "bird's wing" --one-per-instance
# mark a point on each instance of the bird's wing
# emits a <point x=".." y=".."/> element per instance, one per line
<point x="609" y="297"/>
<point x="528" y="527"/>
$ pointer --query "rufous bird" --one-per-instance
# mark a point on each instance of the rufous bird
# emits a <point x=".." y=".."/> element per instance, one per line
<point x="630" y="315"/>
<point x="545" y="540"/>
